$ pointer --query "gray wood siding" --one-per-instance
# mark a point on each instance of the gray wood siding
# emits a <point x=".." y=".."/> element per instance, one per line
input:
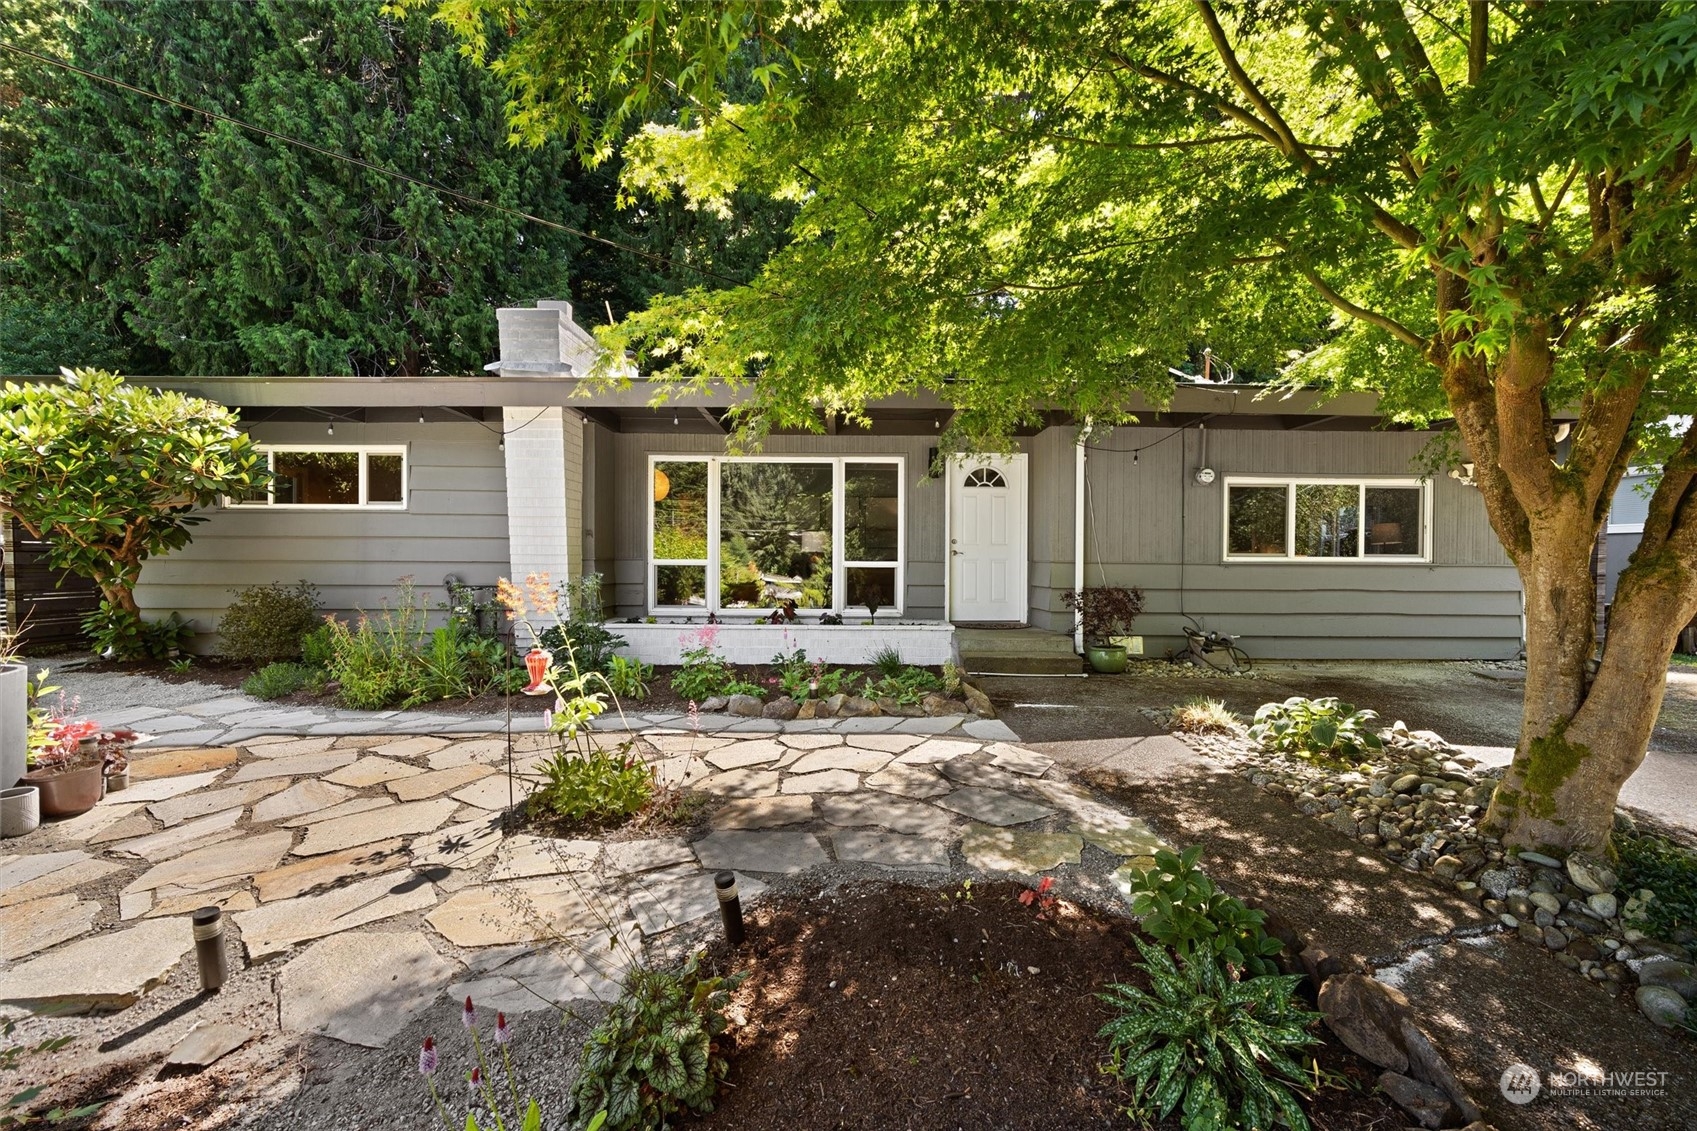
<point x="1464" y="603"/>
<point x="625" y="466"/>
<point x="455" y="522"/>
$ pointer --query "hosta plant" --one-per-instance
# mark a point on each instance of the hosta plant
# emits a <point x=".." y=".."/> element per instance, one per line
<point x="1316" y="726"/>
<point x="1180" y="906"/>
<point x="655" y="1053"/>
<point x="1217" y="1050"/>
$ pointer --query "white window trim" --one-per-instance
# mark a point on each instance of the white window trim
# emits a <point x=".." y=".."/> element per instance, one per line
<point x="1291" y="483"/>
<point x="365" y="451"/>
<point x="840" y="565"/>
<point x="1626" y="528"/>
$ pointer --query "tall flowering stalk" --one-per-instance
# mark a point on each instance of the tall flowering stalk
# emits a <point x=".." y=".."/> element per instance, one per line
<point x="575" y="704"/>
<point x="527" y="1117"/>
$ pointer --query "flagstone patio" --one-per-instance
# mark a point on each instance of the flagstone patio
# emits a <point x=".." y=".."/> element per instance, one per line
<point x="348" y="861"/>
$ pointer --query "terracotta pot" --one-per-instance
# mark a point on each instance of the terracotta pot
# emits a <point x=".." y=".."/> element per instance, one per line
<point x="20" y="810"/>
<point x="66" y="793"/>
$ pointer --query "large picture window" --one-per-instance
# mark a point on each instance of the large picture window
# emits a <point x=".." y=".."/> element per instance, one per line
<point x="728" y="534"/>
<point x="1326" y="520"/>
<point x="332" y="476"/>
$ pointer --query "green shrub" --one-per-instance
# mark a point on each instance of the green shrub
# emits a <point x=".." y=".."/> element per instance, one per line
<point x="1668" y="870"/>
<point x="654" y="1053"/>
<point x="1316" y="726"/>
<point x="589" y="642"/>
<point x="318" y="647"/>
<point x="702" y="676"/>
<point x="743" y="687"/>
<point x="122" y="635"/>
<point x="907" y="687"/>
<point x="888" y="662"/>
<point x="376" y="660"/>
<point x="1181" y="907"/>
<point x="593" y="786"/>
<point x="628" y="679"/>
<point x="274" y="681"/>
<point x="1215" y="1049"/>
<point x="268" y="622"/>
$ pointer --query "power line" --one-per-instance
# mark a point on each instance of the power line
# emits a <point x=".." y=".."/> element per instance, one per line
<point x="364" y="164"/>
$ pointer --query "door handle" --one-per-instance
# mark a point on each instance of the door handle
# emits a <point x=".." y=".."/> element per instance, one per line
<point x="957" y="553"/>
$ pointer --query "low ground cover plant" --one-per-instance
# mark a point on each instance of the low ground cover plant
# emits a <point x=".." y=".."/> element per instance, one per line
<point x="628" y="678"/>
<point x="274" y="681"/>
<point x="1181" y="908"/>
<point x="1324" y="726"/>
<point x="265" y="623"/>
<point x="656" y="1052"/>
<point x="1654" y="862"/>
<point x="1202" y="715"/>
<point x="1217" y="1050"/>
<point x="703" y="675"/>
<point x="594" y="786"/>
<point x="907" y="687"/>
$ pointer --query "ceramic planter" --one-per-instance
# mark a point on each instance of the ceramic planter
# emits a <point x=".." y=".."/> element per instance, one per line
<point x="20" y="810"/>
<point x="66" y="793"/>
<point x="119" y="780"/>
<point x="14" y="723"/>
<point x="1109" y="659"/>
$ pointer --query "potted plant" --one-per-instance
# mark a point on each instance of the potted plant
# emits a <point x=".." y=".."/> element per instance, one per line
<point x="68" y="757"/>
<point x="20" y="810"/>
<point x="113" y="746"/>
<point x="1104" y="612"/>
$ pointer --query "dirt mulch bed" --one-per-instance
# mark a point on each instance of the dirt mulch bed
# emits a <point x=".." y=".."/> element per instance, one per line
<point x="887" y="1006"/>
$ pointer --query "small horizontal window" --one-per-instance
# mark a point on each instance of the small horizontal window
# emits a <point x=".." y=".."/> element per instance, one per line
<point x="330" y="477"/>
<point x="1326" y="520"/>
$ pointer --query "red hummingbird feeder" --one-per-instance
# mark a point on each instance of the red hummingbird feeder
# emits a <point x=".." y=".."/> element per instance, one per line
<point x="537" y="661"/>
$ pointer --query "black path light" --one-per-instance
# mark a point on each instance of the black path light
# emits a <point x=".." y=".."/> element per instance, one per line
<point x="730" y="906"/>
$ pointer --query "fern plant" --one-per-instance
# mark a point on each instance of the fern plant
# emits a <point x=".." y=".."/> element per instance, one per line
<point x="653" y="1055"/>
<point x="1215" y="1049"/>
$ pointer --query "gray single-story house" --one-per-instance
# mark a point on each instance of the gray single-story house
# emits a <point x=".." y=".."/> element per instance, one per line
<point x="1296" y="521"/>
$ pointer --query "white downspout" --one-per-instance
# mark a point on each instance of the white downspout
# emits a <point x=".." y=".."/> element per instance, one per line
<point x="1078" y="531"/>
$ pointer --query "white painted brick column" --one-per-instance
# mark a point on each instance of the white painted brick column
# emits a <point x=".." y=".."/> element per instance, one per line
<point x="538" y="536"/>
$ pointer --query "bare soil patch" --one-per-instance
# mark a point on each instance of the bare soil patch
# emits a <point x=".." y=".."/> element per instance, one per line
<point x="888" y="1006"/>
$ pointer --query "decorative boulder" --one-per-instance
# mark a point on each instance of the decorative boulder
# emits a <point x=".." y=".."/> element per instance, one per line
<point x="745" y="705"/>
<point x="1367" y="1015"/>
<point x="855" y="707"/>
<point x="783" y="709"/>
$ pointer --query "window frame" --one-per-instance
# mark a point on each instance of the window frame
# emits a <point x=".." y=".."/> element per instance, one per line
<point x="1362" y="483"/>
<point x="365" y="451"/>
<point x="840" y="564"/>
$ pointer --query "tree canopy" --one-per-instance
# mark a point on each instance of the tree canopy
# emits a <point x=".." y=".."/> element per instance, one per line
<point x="1479" y="210"/>
<point x="141" y="235"/>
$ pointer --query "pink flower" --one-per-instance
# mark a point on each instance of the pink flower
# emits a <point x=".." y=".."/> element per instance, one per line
<point x="502" y="1033"/>
<point x="468" y="1016"/>
<point x="427" y="1057"/>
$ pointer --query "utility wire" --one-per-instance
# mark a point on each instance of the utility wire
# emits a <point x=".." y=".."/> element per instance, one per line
<point x="364" y="164"/>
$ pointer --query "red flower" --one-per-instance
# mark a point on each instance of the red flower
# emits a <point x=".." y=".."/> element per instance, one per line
<point x="427" y="1057"/>
<point x="468" y="1016"/>
<point x="503" y="1034"/>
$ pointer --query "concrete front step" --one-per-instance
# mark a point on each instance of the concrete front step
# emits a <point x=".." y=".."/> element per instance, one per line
<point x="1016" y="651"/>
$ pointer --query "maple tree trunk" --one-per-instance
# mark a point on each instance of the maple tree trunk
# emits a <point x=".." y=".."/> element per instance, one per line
<point x="1583" y="733"/>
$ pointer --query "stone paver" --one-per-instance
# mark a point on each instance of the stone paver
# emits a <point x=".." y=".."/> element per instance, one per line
<point x="867" y="725"/>
<point x="738" y="755"/>
<point x="522" y="856"/>
<point x="545" y="978"/>
<point x="1019" y="760"/>
<point x="109" y="971"/>
<point x="892" y="850"/>
<point x="890" y="743"/>
<point x="684" y="743"/>
<point x="670" y="901"/>
<point x="191" y="805"/>
<point x="318" y="874"/>
<point x="290" y="748"/>
<point x="241" y="857"/>
<point x="760" y="851"/>
<point x="496" y="792"/>
<point x="410" y="747"/>
<point x="491" y="751"/>
<point x="1018" y="850"/>
<point x="842" y="758"/>
<point x="181" y="838"/>
<point x="300" y="765"/>
<point x="173" y="763"/>
<point x="273" y="928"/>
<point x="28" y="927"/>
<point x="994" y="807"/>
<point x="96" y="820"/>
<point x="345" y="809"/>
<point x="522" y="911"/>
<point x="740" y="783"/>
<point x="624" y="857"/>
<point x="58" y="881"/>
<point x="361" y="988"/>
<point x="374" y="825"/>
<point x="910" y="781"/>
<point x="825" y="781"/>
<point x="229" y="900"/>
<point x="934" y="750"/>
<point x="372" y="770"/>
<point x="310" y="796"/>
<point x="850" y="810"/>
<point x="1137" y="839"/>
<point x="991" y="730"/>
<point x="458" y="846"/>
<point x="135" y="823"/>
<point x="763" y="812"/>
<point x="974" y="769"/>
<point x="811" y="741"/>
<point x="437" y="782"/>
<point x="16" y="870"/>
<point x="206" y="1044"/>
<point x="163" y="788"/>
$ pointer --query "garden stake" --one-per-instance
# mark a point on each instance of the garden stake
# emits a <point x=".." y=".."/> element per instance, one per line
<point x="209" y="948"/>
<point x="730" y="906"/>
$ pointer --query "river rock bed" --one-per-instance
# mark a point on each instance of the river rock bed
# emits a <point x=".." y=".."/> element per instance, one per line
<point x="1420" y="802"/>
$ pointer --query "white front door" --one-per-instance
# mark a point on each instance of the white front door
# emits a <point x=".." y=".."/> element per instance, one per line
<point x="987" y="548"/>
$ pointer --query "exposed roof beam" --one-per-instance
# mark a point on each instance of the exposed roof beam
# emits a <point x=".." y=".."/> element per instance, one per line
<point x="715" y="417"/>
<point x="1317" y="422"/>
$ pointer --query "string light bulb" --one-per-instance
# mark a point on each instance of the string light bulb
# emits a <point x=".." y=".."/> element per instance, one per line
<point x="1134" y="458"/>
<point x="936" y="423"/>
<point x="330" y="430"/>
<point x="674" y="418"/>
<point x="421" y="416"/>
